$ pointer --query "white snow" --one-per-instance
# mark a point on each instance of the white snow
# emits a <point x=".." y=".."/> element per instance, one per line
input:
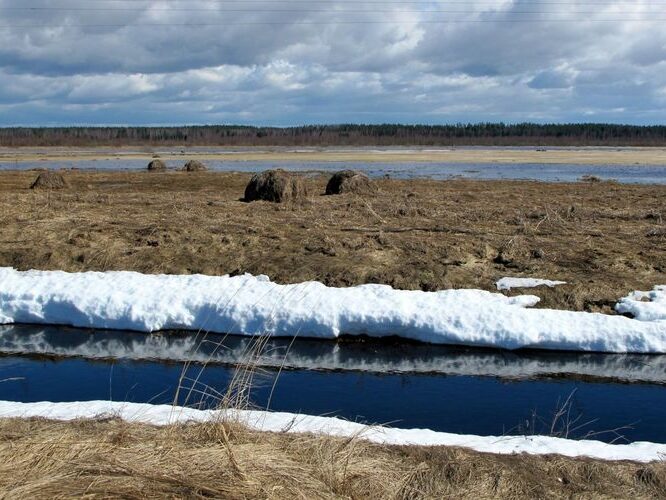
<point x="645" y="306"/>
<point x="509" y="283"/>
<point x="293" y="423"/>
<point x="247" y="305"/>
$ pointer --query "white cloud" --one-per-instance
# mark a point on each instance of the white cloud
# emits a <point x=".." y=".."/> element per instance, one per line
<point x="569" y="63"/>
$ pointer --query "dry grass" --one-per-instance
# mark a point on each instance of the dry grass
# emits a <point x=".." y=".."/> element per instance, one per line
<point x="605" y="239"/>
<point x="157" y="166"/>
<point x="350" y="181"/>
<point x="586" y="156"/>
<point x="49" y="180"/>
<point x="277" y="186"/>
<point x="194" y="166"/>
<point x="114" y="459"/>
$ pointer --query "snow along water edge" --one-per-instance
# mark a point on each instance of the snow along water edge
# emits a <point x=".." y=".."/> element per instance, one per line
<point x="332" y="426"/>
<point x="248" y="305"/>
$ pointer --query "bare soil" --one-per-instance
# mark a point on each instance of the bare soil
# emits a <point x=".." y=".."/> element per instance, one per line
<point x="604" y="239"/>
<point x="114" y="459"/>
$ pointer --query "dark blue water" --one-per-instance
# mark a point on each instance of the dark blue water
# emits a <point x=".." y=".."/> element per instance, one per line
<point x="460" y="404"/>
<point x="639" y="174"/>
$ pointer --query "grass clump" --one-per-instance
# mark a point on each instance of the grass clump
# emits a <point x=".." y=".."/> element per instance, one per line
<point x="194" y="166"/>
<point x="157" y="166"/>
<point x="49" y="180"/>
<point x="277" y="186"/>
<point x="350" y="181"/>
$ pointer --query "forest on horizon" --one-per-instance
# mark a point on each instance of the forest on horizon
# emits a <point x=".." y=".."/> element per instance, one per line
<point x="481" y="134"/>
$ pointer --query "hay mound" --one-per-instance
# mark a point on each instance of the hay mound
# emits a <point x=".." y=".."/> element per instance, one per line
<point x="350" y="181"/>
<point x="194" y="166"/>
<point x="49" y="180"/>
<point x="277" y="186"/>
<point x="157" y="166"/>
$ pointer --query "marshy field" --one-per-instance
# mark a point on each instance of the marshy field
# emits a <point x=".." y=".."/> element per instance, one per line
<point x="604" y="239"/>
<point x="567" y="406"/>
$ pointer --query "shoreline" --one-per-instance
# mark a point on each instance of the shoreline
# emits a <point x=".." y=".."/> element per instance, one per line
<point x="581" y="156"/>
<point x="291" y="423"/>
<point x="111" y="457"/>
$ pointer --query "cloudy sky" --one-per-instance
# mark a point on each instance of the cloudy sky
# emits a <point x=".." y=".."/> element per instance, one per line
<point x="285" y="62"/>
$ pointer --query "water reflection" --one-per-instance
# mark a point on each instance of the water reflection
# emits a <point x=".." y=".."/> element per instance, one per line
<point x="367" y="356"/>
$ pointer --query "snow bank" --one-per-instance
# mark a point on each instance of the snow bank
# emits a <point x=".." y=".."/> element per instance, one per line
<point x="293" y="423"/>
<point x="509" y="283"/>
<point x="645" y="306"/>
<point x="247" y="305"/>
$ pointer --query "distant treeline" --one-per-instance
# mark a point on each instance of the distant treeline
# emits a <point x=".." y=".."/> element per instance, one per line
<point x="486" y="134"/>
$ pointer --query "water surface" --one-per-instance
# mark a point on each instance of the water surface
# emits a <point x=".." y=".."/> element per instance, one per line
<point x="406" y="385"/>
<point x="638" y="174"/>
<point x="363" y="355"/>
<point x="460" y="404"/>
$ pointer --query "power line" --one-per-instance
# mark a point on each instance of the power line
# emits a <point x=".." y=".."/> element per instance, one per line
<point x="328" y="11"/>
<point x="375" y="2"/>
<point x="332" y="22"/>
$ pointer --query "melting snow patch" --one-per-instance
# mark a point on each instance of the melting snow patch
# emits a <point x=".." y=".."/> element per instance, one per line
<point x="293" y="423"/>
<point x="247" y="305"/>
<point x="509" y="283"/>
<point x="645" y="306"/>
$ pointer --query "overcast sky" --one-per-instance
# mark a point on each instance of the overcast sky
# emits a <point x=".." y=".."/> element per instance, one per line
<point x="332" y="61"/>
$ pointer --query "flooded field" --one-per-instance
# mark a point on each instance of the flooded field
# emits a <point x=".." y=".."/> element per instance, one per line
<point x="545" y="172"/>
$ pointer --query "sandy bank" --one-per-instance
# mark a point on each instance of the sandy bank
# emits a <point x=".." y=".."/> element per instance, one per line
<point x="585" y="156"/>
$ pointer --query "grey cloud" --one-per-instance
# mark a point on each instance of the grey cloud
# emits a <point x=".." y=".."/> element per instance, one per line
<point x="295" y="72"/>
<point x="550" y="80"/>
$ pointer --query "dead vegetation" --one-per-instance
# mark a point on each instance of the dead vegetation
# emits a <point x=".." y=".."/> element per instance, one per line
<point x="49" y="180"/>
<point x="194" y="166"/>
<point x="277" y="186"/>
<point x="350" y="181"/>
<point x="157" y="166"/>
<point x="110" y="458"/>
<point x="604" y="239"/>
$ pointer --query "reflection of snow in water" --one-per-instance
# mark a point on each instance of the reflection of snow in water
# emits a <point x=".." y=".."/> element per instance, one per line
<point x="316" y="355"/>
<point x="640" y="174"/>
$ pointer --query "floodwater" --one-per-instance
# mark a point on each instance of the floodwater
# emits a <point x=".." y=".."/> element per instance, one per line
<point x="614" y="397"/>
<point x="637" y="174"/>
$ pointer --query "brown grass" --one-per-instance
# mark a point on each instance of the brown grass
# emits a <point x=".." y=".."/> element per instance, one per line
<point x="604" y="239"/>
<point x="194" y="166"/>
<point x="114" y="459"/>
<point x="350" y="181"/>
<point x="586" y="156"/>
<point x="49" y="180"/>
<point x="277" y="186"/>
<point x="157" y="166"/>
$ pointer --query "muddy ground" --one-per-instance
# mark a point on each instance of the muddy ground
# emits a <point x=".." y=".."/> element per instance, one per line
<point x="604" y="239"/>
